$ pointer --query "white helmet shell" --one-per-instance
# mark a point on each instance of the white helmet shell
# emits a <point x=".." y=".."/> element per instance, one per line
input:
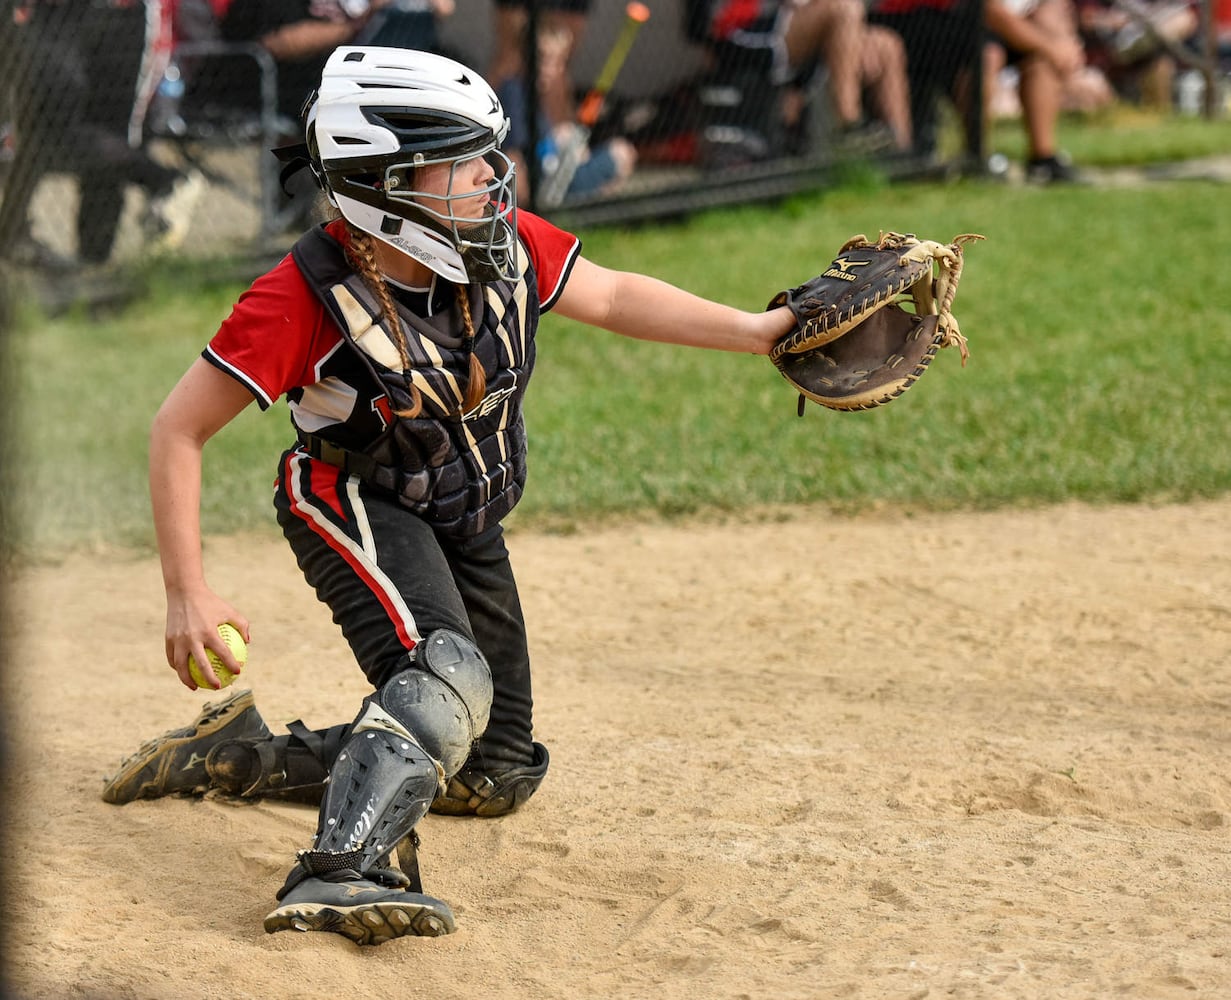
<point x="382" y="113"/>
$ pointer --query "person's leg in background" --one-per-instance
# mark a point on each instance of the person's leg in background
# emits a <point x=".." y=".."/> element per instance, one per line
<point x="833" y="31"/>
<point x="1042" y="82"/>
<point x="883" y="72"/>
<point x="921" y="32"/>
<point x="48" y="82"/>
<point x="1044" y="44"/>
<point x="942" y="43"/>
<point x="510" y="21"/>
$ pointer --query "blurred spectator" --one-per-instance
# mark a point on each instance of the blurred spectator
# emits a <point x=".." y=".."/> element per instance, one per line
<point x="196" y="20"/>
<point x="407" y="24"/>
<point x="943" y="40"/>
<point x="1039" y="38"/>
<point x="600" y="169"/>
<point x="82" y="74"/>
<point x="799" y="37"/>
<point x="299" y="35"/>
<point x="562" y="21"/>
<point x="859" y="57"/>
<point x="1128" y="40"/>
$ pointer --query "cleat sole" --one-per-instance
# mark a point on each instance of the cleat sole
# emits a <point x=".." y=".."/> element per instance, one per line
<point x="366" y="923"/>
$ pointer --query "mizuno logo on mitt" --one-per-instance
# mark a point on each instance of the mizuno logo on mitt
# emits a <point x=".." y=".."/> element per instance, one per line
<point x="841" y="268"/>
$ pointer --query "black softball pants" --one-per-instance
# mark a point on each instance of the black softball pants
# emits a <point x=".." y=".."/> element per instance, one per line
<point x="390" y="580"/>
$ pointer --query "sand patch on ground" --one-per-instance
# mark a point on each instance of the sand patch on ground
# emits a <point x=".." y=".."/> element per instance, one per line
<point x="968" y="755"/>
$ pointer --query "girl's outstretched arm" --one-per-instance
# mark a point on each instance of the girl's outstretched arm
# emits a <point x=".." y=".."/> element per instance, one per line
<point x="636" y="305"/>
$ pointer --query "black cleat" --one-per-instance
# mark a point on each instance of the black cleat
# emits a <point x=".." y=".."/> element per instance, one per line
<point x="174" y="763"/>
<point x="368" y="908"/>
<point x="1052" y="170"/>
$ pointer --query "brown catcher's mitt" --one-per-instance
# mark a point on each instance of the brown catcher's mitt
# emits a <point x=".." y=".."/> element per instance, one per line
<point x="855" y="346"/>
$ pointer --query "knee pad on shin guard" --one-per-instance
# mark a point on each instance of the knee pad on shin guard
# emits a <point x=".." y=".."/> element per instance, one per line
<point x="442" y="701"/>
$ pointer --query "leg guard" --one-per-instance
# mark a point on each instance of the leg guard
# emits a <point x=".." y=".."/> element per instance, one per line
<point x="381" y="786"/>
<point x="411" y="736"/>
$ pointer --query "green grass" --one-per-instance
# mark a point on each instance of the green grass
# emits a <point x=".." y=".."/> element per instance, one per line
<point x="1095" y="371"/>
<point x="1123" y="136"/>
<point x="82" y="392"/>
<point x="1100" y="352"/>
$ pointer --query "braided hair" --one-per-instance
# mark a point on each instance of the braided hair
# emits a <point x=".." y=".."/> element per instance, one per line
<point x="361" y="253"/>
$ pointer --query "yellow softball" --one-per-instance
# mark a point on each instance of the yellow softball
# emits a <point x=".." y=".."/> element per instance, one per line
<point x="235" y="642"/>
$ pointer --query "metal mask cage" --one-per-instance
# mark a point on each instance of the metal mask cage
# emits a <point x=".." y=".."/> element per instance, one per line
<point x="490" y="238"/>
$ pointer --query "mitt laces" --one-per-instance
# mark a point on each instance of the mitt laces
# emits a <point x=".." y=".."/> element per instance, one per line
<point x="948" y="259"/>
<point x="946" y="288"/>
<point x="951" y="335"/>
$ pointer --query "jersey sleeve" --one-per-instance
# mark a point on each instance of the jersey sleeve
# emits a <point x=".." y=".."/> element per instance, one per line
<point x="275" y="337"/>
<point x="553" y="253"/>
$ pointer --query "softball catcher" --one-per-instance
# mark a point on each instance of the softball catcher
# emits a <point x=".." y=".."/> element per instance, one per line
<point x="402" y="334"/>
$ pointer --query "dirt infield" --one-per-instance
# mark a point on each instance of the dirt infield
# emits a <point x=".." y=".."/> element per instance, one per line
<point x="970" y="755"/>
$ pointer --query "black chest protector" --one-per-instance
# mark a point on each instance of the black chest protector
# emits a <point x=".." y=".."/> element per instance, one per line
<point x="461" y="472"/>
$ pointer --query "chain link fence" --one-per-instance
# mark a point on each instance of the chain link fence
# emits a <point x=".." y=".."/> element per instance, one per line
<point x="131" y="125"/>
